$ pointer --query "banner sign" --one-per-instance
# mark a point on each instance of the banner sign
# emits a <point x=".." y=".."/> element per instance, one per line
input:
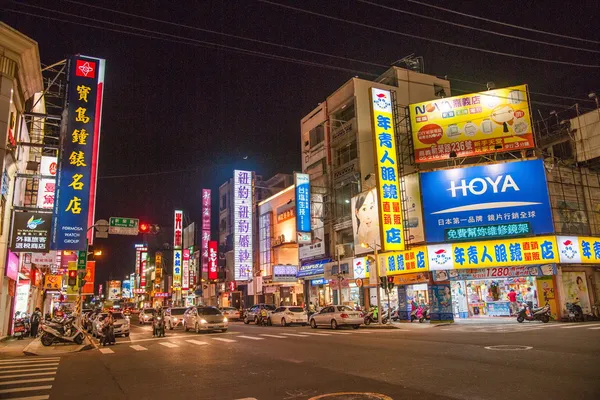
<point x="177" y="256"/>
<point x="44" y="258"/>
<point x="31" y="232"/>
<point x="285" y="273"/>
<point x="365" y="221"/>
<point x="405" y="262"/>
<point x="507" y="196"/>
<point x="206" y="200"/>
<point x="441" y="305"/>
<point x="496" y="272"/>
<point x="90" y="274"/>
<point x="76" y="179"/>
<point x="302" y="202"/>
<point x="178" y="230"/>
<point x="579" y="249"/>
<point x="243" y="191"/>
<point x="472" y="124"/>
<point x="494" y="253"/>
<point x="52" y="282"/>
<point x="185" y="269"/>
<point x="414" y="209"/>
<point x="114" y="290"/>
<point x="390" y="205"/>
<point x="143" y="264"/>
<point x="313" y="268"/>
<point x="212" y="260"/>
<point x="47" y="186"/>
<point x="12" y="266"/>
<point x="158" y="265"/>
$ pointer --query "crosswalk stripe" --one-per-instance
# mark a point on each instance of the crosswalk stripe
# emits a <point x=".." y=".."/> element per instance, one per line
<point x="250" y="337"/>
<point x="199" y="343"/>
<point x="24" y="375"/>
<point x="18" y="381"/>
<point x="168" y="344"/>
<point x="26" y="389"/>
<point x="106" y="351"/>
<point x="137" y="347"/>
<point x="316" y="334"/>
<point x="43" y="397"/>
<point x="27" y="366"/>
<point x="579" y="326"/>
<point x="29" y="370"/>
<point x="339" y="333"/>
<point x="294" y="334"/>
<point x="224" y="340"/>
<point x="18" y="361"/>
<point x="598" y="327"/>
<point x="273" y="336"/>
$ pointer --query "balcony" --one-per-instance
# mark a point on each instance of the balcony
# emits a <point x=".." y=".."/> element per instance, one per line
<point x="343" y="131"/>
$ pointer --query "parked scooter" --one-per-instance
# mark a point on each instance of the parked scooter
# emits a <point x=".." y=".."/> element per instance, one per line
<point x="67" y="332"/>
<point x="537" y="314"/>
<point x="575" y="312"/>
<point x="21" y="328"/>
<point x="370" y="317"/>
<point x="421" y="313"/>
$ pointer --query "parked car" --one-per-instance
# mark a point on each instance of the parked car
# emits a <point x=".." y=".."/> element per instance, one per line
<point x="288" y="315"/>
<point x="204" y="318"/>
<point x="174" y="317"/>
<point x="146" y="315"/>
<point x="121" y="324"/>
<point x="335" y="316"/>
<point x="252" y="312"/>
<point x="231" y="313"/>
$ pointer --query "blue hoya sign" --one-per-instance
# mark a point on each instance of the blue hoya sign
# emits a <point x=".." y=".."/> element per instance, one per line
<point x="462" y="200"/>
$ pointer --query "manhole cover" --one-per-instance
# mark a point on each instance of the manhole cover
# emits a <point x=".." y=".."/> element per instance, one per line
<point x="508" y="347"/>
<point x="352" y="396"/>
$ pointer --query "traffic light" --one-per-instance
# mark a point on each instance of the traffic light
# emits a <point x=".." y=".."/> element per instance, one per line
<point x="144" y="227"/>
<point x="390" y="282"/>
<point x="72" y="281"/>
<point x="383" y="282"/>
<point x="151" y="229"/>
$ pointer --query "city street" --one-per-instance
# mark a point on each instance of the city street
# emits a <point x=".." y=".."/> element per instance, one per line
<point x="555" y="361"/>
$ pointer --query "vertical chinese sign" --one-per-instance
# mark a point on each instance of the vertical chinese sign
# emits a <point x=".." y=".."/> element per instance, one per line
<point x="302" y="182"/>
<point x="158" y="262"/>
<point x="177" y="243"/>
<point x="205" y="229"/>
<point x="138" y="264"/>
<point x="80" y="134"/>
<point x="185" y="268"/>
<point x="390" y="202"/>
<point x="47" y="184"/>
<point x="144" y="264"/>
<point x="212" y="260"/>
<point x="242" y="219"/>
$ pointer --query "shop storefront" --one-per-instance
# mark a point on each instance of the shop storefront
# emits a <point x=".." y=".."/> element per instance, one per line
<point x="316" y="287"/>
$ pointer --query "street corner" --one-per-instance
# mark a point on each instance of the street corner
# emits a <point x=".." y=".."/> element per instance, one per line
<point x="378" y="327"/>
<point x="36" y="348"/>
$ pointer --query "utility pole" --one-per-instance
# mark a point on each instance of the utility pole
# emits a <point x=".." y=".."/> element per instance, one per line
<point x="374" y="248"/>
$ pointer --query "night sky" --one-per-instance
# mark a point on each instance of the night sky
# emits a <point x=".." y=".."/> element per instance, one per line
<point x="184" y="105"/>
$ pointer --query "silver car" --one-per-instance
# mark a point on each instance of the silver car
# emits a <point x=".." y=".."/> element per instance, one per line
<point x="335" y="316"/>
<point x="204" y="318"/>
<point x="288" y="315"/>
<point x="121" y="324"/>
<point x="231" y="313"/>
<point x="174" y="317"/>
<point x="253" y="312"/>
<point x="146" y="315"/>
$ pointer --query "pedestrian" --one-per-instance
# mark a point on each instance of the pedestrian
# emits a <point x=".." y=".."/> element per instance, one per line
<point x="512" y="297"/>
<point x="36" y="317"/>
<point x="108" y="329"/>
<point x="529" y="298"/>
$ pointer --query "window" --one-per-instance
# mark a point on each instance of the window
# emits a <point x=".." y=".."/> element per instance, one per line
<point x="278" y="310"/>
<point x="208" y="311"/>
<point x="344" y="308"/>
<point x="316" y="135"/>
<point x="223" y="225"/>
<point x="177" y="311"/>
<point x="223" y="202"/>
<point x="345" y="154"/>
<point x="343" y="197"/>
<point x="296" y="309"/>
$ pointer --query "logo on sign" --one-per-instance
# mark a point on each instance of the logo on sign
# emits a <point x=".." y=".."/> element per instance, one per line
<point x="85" y="68"/>
<point x="441" y="257"/>
<point x="34" y="223"/>
<point x="479" y="186"/>
<point x="381" y="101"/>
<point x="568" y="250"/>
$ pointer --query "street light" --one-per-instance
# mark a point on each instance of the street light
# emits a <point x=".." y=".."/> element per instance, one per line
<point x="374" y="248"/>
<point x="98" y="253"/>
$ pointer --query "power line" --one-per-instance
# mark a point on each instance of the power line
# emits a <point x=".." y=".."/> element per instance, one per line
<point x="225" y="34"/>
<point x="474" y="28"/>
<point x="421" y="3"/>
<point x="184" y="40"/>
<point x="302" y="10"/>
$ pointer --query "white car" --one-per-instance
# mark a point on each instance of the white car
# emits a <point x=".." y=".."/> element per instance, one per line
<point x="231" y="313"/>
<point x="146" y="315"/>
<point x="174" y="317"/>
<point x="335" y="316"/>
<point x="288" y="315"/>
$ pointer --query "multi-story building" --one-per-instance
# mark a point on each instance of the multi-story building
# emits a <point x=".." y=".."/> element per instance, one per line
<point x="20" y="81"/>
<point x="338" y="154"/>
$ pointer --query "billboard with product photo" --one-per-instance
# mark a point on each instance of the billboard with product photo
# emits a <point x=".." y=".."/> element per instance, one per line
<point x="472" y="124"/>
<point x="365" y="221"/>
<point x="486" y="202"/>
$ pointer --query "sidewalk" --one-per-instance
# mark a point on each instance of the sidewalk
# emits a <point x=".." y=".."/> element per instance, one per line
<point x="34" y="347"/>
<point x="13" y="347"/>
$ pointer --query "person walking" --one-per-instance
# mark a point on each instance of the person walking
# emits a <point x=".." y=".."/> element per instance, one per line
<point x="529" y="298"/>
<point x="36" y="317"/>
<point x="108" y="329"/>
<point x="512" y="297"/>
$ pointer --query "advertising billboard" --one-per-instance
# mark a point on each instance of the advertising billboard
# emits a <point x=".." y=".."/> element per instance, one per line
<point x="472" y="124"/>
<point x="384" y="140"/>
<point x="414" y="210"/>
<point x="365" y="221"/>
<point x="316" y="248"/>
<point x="302" y="202"/>
<point x="185" y="269"/>
<point x="126" y="290"/>
<point x="405" y="262"/>
<point x="178" y="230"/>
<point x="31" y="232"/>
<point x="243" y="189"/>
<point x="487" y="201"/>
<point x="177" y="258"/>
<point x="579" y="249"/>
<point x="114" y="290"/>
<point x="47" y="186"/>
<point x="78" y="156"/>
<point x="212" y="260"/>
<point x="206" y="200"/>
<point x="12" y="266"/>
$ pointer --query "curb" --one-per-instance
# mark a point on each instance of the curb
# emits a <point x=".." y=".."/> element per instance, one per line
<point x="82" y="347"/>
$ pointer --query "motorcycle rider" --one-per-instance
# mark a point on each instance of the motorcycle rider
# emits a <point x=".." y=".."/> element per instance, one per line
<point x="160" y="313"/>
<point x="263" y="317"/>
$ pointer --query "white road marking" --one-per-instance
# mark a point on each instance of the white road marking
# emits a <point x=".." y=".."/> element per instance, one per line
<point x="199" y="343"/>
<point x="579" y="326"/>
<point x="273" y="336"/>
<point x="338" y="333"/>
<point x="316" y="334"/>
<point x="26" y="381"/>
<point x="250" y="337"/>
<point x="224" y="340"/>
<point x="26" y="389"/>
<point x="162" y="338"/>
<point x="24" y="375"/>
<point x="29" y="370"/>
<point x="28" y="366"/>
<point x="294" y="334"/>
<point x="598" y="327"/>
<point x="169" y="345"/>
<point x="137" y="347"/>
<point x="37" y="360"/>
<point x="106" y="351"/>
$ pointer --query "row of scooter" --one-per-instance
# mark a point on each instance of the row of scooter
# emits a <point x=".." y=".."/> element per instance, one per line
<point x="61" y="330"/>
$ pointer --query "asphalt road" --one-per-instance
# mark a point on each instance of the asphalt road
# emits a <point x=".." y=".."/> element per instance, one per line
<point x="559" y="361"/>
